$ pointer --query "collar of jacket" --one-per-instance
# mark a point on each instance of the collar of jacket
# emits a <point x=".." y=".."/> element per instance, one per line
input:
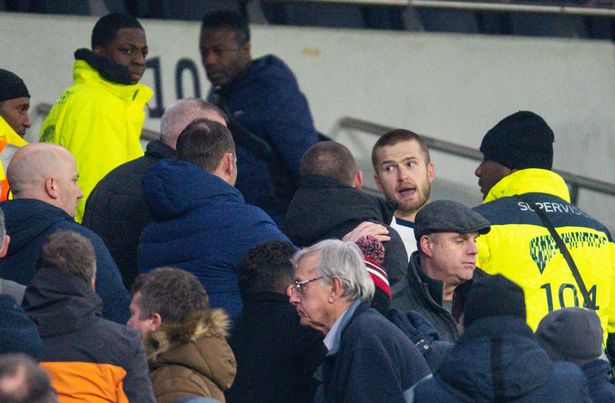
<point x="435" y="288"/>
<point x="60" y="302"/>
<point x="9" y="136"/>
<point x="92" y="68"/>
<point x="202" y="323"/>
<point x="159" y="150"/>
<point x="337" y="341"/>
<point x="531" y="180"/>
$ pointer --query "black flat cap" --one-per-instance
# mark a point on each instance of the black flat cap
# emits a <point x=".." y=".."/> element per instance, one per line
<point x="448" y="216"/>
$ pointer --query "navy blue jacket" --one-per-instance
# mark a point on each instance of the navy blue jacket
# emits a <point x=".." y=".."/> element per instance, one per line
<point x="600" y="387"/>
<point x="201" y="224"/>
<point x="18" y="334"/>
<point x="266" y="100"/>
<point x="502" y="345"/>
<point x="371" y="360"/>
<point x="29" y="222"/>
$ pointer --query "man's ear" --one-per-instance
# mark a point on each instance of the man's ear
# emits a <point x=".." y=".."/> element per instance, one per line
<point x="5" y="246"/>
<point x="156" y="322"/>
<point x="336" y="289"/>
<point x="431" y="172"/>
<point x="100" y="51"/>
<point x="426" y="245"/>
<point x="51" y="187"/>
<point x="358" y="180"/>
<point x="378" y="183"/>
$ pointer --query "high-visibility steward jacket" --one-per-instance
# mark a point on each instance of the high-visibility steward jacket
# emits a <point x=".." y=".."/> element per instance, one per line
<point x="10" y="141"/>
<point x="99" y="122"/>
<point x="521" y="248"/>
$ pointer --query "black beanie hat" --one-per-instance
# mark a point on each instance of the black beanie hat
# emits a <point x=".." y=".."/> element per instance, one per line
<point x="493" y="296"/>
<point x="521" y="140"/>
<point x="11" y="86"/>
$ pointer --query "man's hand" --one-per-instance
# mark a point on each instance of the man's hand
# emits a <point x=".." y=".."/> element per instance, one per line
<point x="378" y="231"/>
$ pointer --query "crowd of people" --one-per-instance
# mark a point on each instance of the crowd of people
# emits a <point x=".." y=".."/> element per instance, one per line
<point x="238" y="259"/>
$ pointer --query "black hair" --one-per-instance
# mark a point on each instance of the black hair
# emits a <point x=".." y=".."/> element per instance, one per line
<point x="106" y="28"/>
<point x="267" y="268"/>
<point x="229" y="19"/>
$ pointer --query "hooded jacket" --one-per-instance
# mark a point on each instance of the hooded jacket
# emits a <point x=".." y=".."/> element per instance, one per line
<point x="324" y="208"/>
<point x="10" y="142"/>
<point x="600" y="386"/>
<point x="521" y="248"/>
<point x="191" y="358"/>
<point x="266" y="100"/>
<point x="116" y="209"/>
<point x="497" y="359"/>
<point x="98" y="119"/>
<point x="201" y="224"/>
<point x="88" y="358"/>
<point x="29" y="222"/>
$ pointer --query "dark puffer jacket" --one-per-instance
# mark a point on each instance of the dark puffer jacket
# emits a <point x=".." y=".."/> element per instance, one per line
<point x="324" y="208"/>
<point x="201" y="224"/>
<point x="498" y="359"/>
<point x="266" y="100"/>
<point x="116" y="209"/>
<point x="29" y="222"/>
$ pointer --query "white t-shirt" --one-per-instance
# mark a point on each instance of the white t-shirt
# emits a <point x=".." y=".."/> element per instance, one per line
<point x="405" y="229"/>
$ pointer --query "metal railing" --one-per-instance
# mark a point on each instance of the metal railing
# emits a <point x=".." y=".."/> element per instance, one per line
<point x="575" y="182"/>
<point x="474" y="6"/>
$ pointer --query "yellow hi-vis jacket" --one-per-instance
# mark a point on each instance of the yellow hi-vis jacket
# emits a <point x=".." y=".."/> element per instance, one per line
<point x="521" y="248"/>
<point x="10" y="141"/>
<point x="99" y="122"/>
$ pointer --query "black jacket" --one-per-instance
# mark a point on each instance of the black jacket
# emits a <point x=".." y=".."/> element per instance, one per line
<point x="423" y="294"/>
<point x="88" y="356"/>
<point x="116" y="209"/>
<point x="276" y="356"/>
<point x="325" y="208"/>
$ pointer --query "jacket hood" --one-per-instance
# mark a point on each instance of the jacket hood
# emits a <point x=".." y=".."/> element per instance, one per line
<point x="60" y="302"/>
<point x="468" y="369"/>
<point x="90" y="67"/>
<point x="157" y="149"/>
<point x="197" y="343"/>
<point x="337" y="205"/>
<point x="28" y="218"/>
<point x="267" y="68"/>
<point x="172" y="188"/>
<point x="531" y="180"/>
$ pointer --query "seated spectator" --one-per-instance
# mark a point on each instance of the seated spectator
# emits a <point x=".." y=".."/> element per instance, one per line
<point x="14" y="121"/>
<point x="443" y="265"/>
<point x="575" y="335"/>
<point x="22" y="380"/>
<point x="276" y="356"/>
<point x="87" y="357"/>
<point x="414" y="325"/>
<point x="368" y="359"/>
<point x="8" y="287"/>
<point x="329" y="204"/>
<point x="43" y="181"/>
<point x="497" y="358"/>
<point x="116" y="209"/>
<point x="18" y="334"/>
<point x="201" y="223"/>
<point x="184" y="339"/>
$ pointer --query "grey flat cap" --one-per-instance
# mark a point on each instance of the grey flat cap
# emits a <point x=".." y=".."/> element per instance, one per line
<point x="448" y="216"/>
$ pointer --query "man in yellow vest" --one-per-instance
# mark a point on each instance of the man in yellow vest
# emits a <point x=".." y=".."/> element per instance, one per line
<point x="100" y="117"/>
<point x="14" y="120"/>
<point x="526" y="202"/>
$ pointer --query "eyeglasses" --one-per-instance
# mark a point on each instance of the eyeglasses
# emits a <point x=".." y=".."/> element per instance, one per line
<point x="299" y="286"/>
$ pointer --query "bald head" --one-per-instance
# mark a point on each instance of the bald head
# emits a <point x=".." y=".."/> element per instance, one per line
<point x="45" y="172"/>
<point x="179" y="115"/>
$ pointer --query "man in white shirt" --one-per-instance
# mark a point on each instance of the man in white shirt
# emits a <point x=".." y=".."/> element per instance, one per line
<point x="404" y="173"/>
